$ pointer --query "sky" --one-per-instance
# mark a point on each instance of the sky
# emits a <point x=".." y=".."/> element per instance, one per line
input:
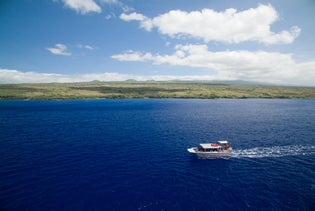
<point x="44" y="41"/>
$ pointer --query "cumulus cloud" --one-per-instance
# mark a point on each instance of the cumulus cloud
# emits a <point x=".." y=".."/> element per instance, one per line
<point x="304" y="75"/>
<point x="145" y="22"/>
<point x="60" y="49"/>
<point x="111" y="1"/>
<point x="14" y="77"/>
<point x="88" y="6"/>
<point x="133" y="17"/>
<point x="133" y="56"/>
<point x="82" y="6"/>
<point x="264" y="66"/>
<point x="229" y="26"/>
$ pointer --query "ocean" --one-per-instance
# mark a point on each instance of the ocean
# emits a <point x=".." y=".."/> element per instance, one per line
<point x="131" y="154"/>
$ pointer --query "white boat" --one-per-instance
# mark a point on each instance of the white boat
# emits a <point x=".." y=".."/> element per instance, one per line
<point x="222" y="149"/>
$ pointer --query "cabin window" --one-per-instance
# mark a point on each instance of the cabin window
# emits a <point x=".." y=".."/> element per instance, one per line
<point x="201" y="149"/>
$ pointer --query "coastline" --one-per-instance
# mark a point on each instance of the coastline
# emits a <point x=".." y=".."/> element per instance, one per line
<point x="129" y="90"/>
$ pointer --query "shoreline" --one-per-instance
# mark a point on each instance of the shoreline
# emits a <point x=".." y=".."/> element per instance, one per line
<point x="151" y="90"/>
<point x="145" y="98"/>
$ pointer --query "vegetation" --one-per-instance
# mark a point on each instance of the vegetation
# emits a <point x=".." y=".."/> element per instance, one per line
<point x="151" y="89"/>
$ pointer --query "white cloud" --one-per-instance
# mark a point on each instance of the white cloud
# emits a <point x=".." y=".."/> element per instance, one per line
<point x="133" y="56"/>
<point x="89" y="47"/>
<point x="133" y="17"/>
<point x="304" y="76"/>
<point x="229" y="26"/>
<point x="118" y="3"/>
<point x="15" y="77"/>
<point x="145" y="22"/>
<point x="83" y="6"/>
<point x="86" y="47"/>
<point x="111" y="1"/>
<point x="264" y="66"/>
<point x="88" y="6"/>
<point x="60" y="49"/>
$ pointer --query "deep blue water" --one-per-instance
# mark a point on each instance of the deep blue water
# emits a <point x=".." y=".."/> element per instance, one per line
<point x="131" y="155"/>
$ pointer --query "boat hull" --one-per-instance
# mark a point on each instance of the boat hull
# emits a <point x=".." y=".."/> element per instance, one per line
<point x="221" y="154"/>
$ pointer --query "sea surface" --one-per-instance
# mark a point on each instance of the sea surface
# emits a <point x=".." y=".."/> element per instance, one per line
<point x="131" y="154"/>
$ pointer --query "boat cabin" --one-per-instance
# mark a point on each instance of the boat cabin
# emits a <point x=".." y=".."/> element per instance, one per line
<point x="209" y="148"/>
<point x="225" y="144"/>
<point x="222" y="145"/>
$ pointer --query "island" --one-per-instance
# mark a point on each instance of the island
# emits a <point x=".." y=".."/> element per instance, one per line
<point x="151" y="89"/>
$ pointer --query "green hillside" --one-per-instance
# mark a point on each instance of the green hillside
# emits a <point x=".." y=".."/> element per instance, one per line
<point x="131" y="89"/>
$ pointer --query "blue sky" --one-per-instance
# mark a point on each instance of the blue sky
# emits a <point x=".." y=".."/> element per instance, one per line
<point x="114" y="40"/>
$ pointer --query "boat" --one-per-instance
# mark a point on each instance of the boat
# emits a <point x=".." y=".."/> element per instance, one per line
<point x="221" y="149"/>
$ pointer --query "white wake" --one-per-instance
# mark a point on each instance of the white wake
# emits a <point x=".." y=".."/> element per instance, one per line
<point x="275" y="151"/>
